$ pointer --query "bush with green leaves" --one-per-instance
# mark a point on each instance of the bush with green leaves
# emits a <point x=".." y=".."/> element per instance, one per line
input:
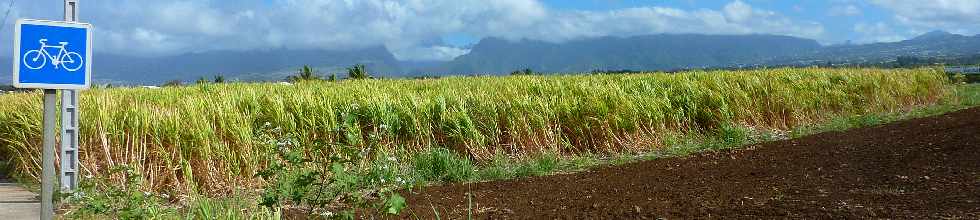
<point x="98" y="197"/>
<point x="322" y="175"/>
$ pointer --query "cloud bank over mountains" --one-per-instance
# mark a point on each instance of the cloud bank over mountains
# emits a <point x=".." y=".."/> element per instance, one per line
<point x="416" y="29"/>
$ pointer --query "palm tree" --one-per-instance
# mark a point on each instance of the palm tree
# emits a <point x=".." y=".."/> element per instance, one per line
<point x="527" y="71"/>
<point x="358" y="72"/>
<point x="305" y="74"/>
<point x="172" y="83"/>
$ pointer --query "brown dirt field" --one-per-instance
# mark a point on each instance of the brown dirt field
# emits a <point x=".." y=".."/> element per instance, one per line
<point x="926" y="168"/>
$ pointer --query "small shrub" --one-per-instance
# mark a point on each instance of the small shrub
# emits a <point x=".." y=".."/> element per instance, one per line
<point x="291" y="178"/>
<point x="732" y="135"/>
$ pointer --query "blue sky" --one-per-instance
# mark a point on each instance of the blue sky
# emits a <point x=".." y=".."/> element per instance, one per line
<point x="441" y="29"/>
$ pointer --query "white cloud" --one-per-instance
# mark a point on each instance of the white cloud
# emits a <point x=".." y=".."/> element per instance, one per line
<point x="406" y="27"/>
<point x="958" y="16"/>
<point x="735" y="18"/>
<point x="877" y="32"/>
<point x="844" y="10"/>
<point x="738" y="11"/>
<point x="431" y="53"/>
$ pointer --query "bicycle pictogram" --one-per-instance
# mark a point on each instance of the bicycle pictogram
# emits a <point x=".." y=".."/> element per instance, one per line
<point x="36" y="59"/>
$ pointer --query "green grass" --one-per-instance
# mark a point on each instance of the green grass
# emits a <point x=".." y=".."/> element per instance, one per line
<point x="965" y="96"/>
<point x="968" y="94"/>
<point x="211" y="140"/>
<point x="442" y="165"/>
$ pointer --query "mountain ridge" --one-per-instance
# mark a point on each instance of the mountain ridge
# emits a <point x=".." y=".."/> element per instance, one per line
<point x="646" y="52"/>
<point x="501" y="56"/>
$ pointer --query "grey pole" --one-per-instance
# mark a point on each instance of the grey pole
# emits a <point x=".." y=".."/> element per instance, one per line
<point x="47" y="154"/>
<point x="69" y="140"/>
<point x="69" y="122"/>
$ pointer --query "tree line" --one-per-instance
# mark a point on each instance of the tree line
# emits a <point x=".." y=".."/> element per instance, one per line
<point x="305" y="73"/>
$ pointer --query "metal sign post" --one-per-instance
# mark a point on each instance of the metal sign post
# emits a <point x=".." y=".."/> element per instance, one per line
<point x="69" y="122"/>
<point x="54" y="55"/>
<point x="47" y="154"/>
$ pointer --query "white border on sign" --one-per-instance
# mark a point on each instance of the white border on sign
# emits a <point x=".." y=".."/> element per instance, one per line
<point x="88" y="54"/>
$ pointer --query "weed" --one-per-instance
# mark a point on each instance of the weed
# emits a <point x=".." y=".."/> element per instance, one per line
<point x="394" y="204"/>
<point x="540" y="165"/>
<point x="442" y="165"/>
<point x="435" y="212"/>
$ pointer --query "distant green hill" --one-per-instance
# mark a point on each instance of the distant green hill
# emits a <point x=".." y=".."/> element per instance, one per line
<point x="254" y="65"/>
<point x="251" y="65"/>
<point x="936" y="44"/>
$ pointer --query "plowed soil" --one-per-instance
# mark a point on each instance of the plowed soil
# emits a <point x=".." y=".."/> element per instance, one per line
<point x="926" y="168"/>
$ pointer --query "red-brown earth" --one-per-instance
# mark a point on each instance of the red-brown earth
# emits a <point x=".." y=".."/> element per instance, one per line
<point x="927" y="168"/>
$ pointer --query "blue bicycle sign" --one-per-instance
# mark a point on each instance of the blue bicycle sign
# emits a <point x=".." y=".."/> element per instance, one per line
<point x="52" y="54"/>
<point x="36" y="59"/>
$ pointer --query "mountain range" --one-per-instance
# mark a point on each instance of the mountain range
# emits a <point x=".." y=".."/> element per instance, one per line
<point x="935" y="44"/>
<point x="252" y="65"/>
<point x="500" y="56"/>
<point x="652" y="52"/>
